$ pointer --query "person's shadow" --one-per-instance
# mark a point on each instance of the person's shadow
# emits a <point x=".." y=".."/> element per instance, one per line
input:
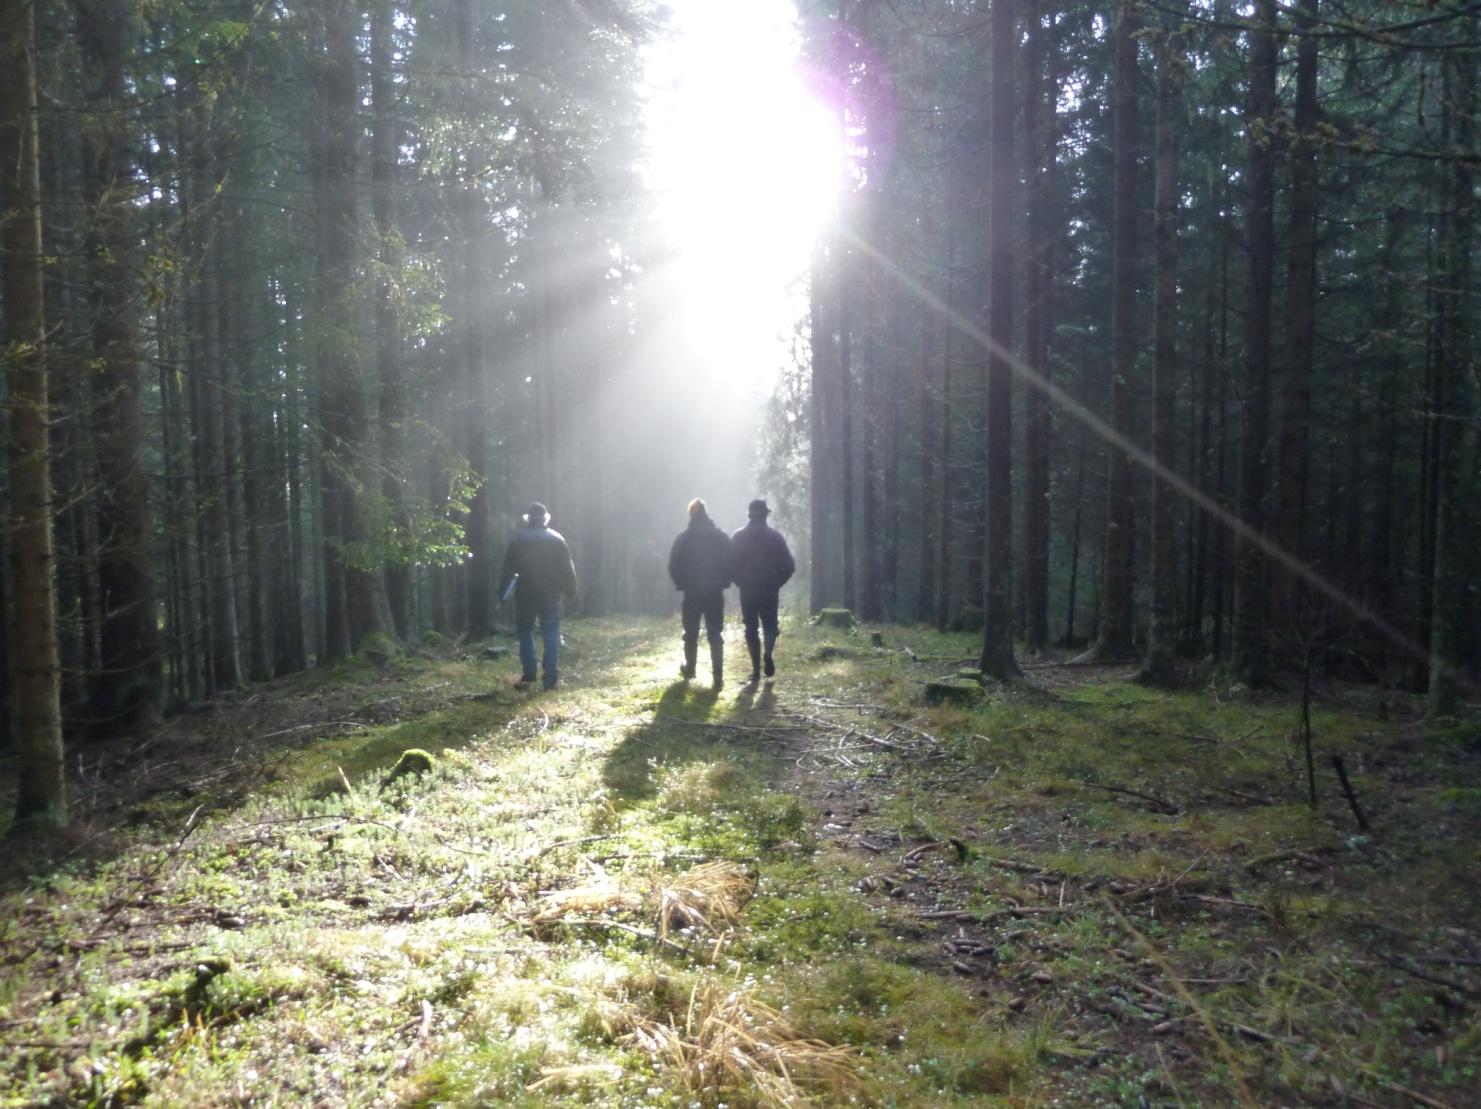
<point x="677" y="734"/>
<point x="756" y="698"/>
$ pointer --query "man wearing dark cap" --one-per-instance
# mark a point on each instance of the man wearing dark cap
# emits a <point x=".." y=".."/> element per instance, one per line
<point x="699" y="563"/>
<point x="762" y="565"/>
<point x="538" y="565"/>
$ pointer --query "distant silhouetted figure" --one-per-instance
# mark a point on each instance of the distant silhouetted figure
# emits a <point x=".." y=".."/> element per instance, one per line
<point x="761" y="564"/>
<point x="538" y="565"/>
<point x="699" y="563"/>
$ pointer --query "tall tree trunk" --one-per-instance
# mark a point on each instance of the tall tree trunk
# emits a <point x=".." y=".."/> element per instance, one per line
<point x="1162" y="635"/>
<point x="819" y="433"/>
<point x="1039" y="124"/>
<point x="480" y="568"/>
<point x="390" y="371"/>
<point x="1249" y="646"/>
<point x="36" y="715"/>
<point x="927" y="403"/>
<point x="127" y="690"/>
<point x="1074" y="583"/>
<point x="292" y="650"/>
<point x="845" y="440"/>
<point x="1115" y="632"/>
<point x="258" y="486"/>
<point x="214" y="478"/>
<point x="1295" y="412"/>
<point x="997" y="637"/>
<point x="353" y="603"/>
<point x="944" y="531"/>
<point x="1457" y="437"/>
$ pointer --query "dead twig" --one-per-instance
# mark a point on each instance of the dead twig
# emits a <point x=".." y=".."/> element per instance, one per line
<point x="1160" y="804"/>
<point x="1285" y="855"/>
<point x="651" y="937"/>
<point x="1408" y="966"/>
<point x="316" y="724"/>
<point x="1230" y="902"/>
<point x="558" y="844"/>
<point x="916" y="852"/>
<point x="1347" y="791"/>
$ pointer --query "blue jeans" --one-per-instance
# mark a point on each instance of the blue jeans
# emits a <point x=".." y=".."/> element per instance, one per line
<point x="549" y="615"/>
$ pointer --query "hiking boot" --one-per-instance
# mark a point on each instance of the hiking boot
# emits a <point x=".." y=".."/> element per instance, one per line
<point x="525" y="682"/>
<point x="770" y="666"/>
<point x="686" y="670"/>
<point x="755" y="650"/>
<point x="717" y="663"/>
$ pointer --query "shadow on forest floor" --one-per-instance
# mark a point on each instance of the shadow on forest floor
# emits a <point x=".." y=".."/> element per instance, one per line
<point x="1069" y="889"/>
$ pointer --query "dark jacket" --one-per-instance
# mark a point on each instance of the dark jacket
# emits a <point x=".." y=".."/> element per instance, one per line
<point x="543" y="562"/>
<point x="761" y="558"/>
<point x="699" y="561"/>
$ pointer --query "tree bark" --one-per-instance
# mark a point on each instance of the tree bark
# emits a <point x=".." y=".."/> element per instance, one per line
<point x="1291" y="458"/>
<point x="36" y="717"/>
<point x="1114" y="637"/>
<point x="480" y="568"/>
<point x="997" y="637"/>
<point x="1162" y="634"/>
<point x="1452" y="582"/>
<point x="390" y="370"/>
<point x="1040" y="126"/>
<point x="127" y="689"/>
<point x="1249" y="646"/>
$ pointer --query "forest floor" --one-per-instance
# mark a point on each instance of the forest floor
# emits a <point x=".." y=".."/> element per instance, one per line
<point x="632" y="891"/>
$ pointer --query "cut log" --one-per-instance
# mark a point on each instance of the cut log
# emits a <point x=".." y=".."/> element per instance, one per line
<point x="836" y="618"/>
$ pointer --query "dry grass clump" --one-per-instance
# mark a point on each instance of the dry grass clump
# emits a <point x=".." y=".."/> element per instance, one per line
<point x="576" y="1078"/>
<point x="708" y="898"/>
<point x="734" y="1043"/>
<point x="604" y="895"/>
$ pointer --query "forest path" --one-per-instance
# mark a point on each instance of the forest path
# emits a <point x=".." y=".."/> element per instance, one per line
<point x="636" y="891"/>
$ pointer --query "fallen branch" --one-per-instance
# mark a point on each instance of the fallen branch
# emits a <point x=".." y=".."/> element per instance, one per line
<point x="1230" y="902"/>
<point x="1021" y="868"/>
<point x="652" y="937"/>
<point x="916" y="852"/>
<point x="1284" y="855"/>
<point x="1162" y="805"/>
<point x="1408" y="967"/>
<point x="1347" y="791"/>
<point x="1245" y="796"/>
<point x="968" y="917"/>
<point x="558" y="844"/>
<point x="317" y="724"/>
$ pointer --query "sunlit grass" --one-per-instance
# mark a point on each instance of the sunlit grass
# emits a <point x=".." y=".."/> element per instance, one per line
<point x="631" y="854"/>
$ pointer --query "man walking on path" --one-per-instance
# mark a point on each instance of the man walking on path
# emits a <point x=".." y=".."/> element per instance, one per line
<point x="699" y="563"/>
<point x="538" y="565"/>
<point x="762" y="565"/>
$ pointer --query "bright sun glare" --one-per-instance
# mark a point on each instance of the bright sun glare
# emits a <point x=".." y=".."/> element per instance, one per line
<point x="746" y="163"/>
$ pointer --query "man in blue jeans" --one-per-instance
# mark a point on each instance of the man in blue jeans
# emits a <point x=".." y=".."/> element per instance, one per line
<point x="538" y="564"/>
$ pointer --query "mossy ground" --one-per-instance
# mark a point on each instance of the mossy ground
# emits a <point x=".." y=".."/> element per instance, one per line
<point x="1075" y="891"/>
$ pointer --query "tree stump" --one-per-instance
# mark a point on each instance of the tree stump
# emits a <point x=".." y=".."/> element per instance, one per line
<point x="836" y="618"/>
<point x="971" y="674"/>
<point x="952" y="691"/>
